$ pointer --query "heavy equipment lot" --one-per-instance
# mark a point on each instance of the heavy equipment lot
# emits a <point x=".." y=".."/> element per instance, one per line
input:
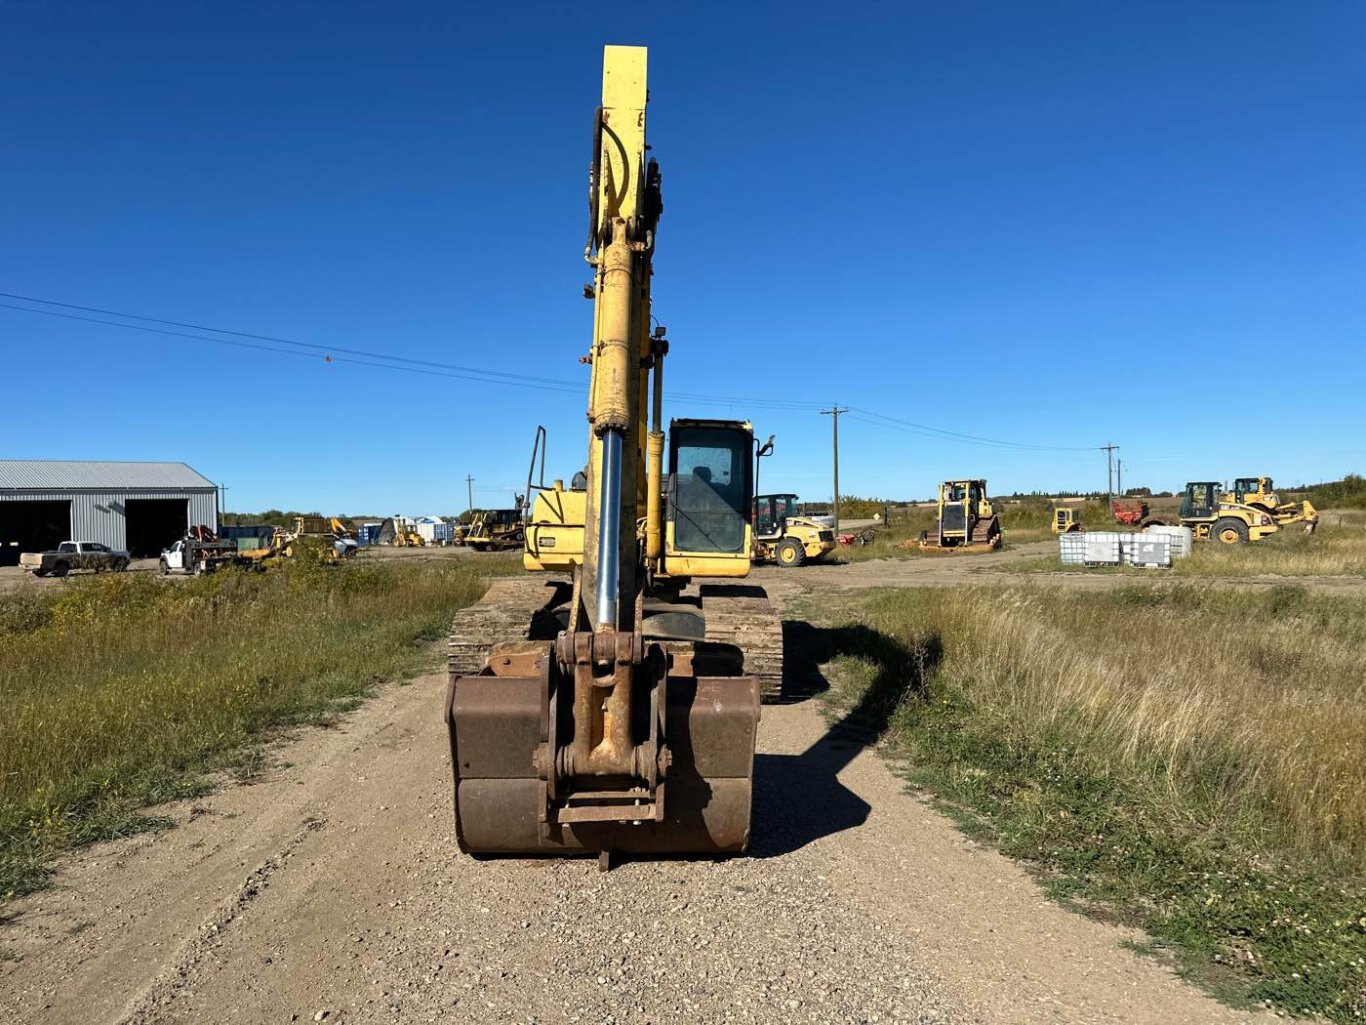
<point x="332" y="885"/>
<point x="331" y="882"/>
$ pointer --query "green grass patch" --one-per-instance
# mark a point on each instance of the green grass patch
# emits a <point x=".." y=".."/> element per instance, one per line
<point x="123" y="691"/>
<point x="1179" y="758"/>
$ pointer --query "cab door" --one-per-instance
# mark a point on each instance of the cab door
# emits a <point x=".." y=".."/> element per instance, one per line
<point x="710" y="495"/>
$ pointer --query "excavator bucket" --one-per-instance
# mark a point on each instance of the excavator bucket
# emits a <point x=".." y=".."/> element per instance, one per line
<point x="509" y="735"/>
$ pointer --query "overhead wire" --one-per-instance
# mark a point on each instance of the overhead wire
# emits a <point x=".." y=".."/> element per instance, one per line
<point x="927" y="430"/>
<point x="417" y="367"/>
<point x="386" y="361"/>
<point x="316" y="346"/>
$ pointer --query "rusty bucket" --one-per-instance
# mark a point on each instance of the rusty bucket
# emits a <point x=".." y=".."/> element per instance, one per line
<point x="516" y="791"/>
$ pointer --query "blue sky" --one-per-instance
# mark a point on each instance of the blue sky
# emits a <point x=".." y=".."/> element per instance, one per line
<point x="1050" y="224"/>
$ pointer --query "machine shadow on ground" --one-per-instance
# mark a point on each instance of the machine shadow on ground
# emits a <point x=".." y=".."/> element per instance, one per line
<point x="799" y="799"/>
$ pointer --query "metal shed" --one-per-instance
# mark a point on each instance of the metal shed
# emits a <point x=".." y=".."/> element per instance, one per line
<point x="141" y="507"/>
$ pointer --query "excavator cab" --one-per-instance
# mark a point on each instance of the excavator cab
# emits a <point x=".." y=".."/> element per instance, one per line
<point x="708" y="486"/>
<point x="711" y="485"/>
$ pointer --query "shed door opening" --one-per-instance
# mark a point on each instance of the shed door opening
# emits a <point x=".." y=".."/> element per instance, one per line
<point x="32" y="527"/>
<point x="154" y="524"/>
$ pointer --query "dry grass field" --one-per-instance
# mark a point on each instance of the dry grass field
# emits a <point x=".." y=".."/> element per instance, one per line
<point x="1181" y="756"/>
<point x="123" y="690"/>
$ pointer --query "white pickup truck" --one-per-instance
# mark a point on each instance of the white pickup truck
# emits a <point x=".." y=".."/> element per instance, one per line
<point x="73" y="555"/>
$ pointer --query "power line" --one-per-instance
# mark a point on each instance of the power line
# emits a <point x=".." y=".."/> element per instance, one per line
<point x="882" y="420"/>
<point x="317" y="347"/>
<point x="420" y="367"/>
<point x="386" y="361"/>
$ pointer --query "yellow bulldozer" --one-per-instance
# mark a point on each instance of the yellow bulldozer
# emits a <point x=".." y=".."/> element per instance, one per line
<point x="965" y="519"/>
<point x="1066" y="519"/>
<point x="496" y="530"/>
<point x="611" y="712"/>
<point x="1260" y="493"/>
<point x="1212" y="516"/>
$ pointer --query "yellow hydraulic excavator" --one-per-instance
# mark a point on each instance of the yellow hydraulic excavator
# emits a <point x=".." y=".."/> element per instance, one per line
<point x="608" y="715"/>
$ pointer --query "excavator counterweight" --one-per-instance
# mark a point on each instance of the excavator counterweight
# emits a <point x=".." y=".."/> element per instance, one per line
<point x="602" y="714"/>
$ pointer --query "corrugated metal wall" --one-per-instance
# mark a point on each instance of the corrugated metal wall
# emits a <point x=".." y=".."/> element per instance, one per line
<point x="99" y="516"/>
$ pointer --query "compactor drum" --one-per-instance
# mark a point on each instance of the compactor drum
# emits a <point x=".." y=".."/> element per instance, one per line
<point x="610" y="711"/>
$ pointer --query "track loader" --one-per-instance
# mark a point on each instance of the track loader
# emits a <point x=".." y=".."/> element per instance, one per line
<point x="608" y="712"/>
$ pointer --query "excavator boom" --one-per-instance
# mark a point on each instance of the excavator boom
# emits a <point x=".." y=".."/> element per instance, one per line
<point x="608" y="727"/>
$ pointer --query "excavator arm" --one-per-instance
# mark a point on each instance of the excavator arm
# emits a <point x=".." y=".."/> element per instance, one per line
<point x="623" y="733"/>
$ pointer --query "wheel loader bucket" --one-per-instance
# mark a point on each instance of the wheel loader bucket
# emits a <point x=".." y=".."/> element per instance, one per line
<point x="511" y="799"/>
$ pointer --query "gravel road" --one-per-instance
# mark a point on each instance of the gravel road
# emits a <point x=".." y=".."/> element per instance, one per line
<point x="332" y="891"/>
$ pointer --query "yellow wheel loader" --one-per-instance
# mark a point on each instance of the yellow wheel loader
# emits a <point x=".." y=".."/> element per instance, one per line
<point x="1212" y="517"/>
<point x="784" y="536"/>
<point x="610" y="712"/>
<point x="1260" y="493"/>
<point x="965" y="521"/>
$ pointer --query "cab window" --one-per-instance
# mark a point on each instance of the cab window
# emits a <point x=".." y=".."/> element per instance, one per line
<point x="711" y="484"/>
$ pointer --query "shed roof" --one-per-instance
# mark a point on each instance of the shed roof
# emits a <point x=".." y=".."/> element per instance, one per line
<point x="75" y="474"/>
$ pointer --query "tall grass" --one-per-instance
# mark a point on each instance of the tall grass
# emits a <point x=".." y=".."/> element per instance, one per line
<point x="121" y="691"/>
<point x="1337" y="548"/>
<point x="1188" y="757"/>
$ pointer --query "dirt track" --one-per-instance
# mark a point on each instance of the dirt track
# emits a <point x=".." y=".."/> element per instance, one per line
<point x="334" y="885"/>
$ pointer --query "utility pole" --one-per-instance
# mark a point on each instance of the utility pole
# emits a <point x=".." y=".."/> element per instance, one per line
<point x="1119" y="477"/>
<point x="1109" y="472"/>
<point x="834" y="414"/>
<point x="469" y="493"/>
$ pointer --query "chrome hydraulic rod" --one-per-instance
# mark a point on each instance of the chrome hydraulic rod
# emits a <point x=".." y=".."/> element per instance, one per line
<point x="609" y="531"/>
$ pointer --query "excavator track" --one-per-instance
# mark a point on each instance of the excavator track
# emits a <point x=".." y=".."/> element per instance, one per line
<point x="741" y="615"/>
<point x="513" y="609"/>
<point x="523" y="608"/>
<point x="987" y="532"/>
